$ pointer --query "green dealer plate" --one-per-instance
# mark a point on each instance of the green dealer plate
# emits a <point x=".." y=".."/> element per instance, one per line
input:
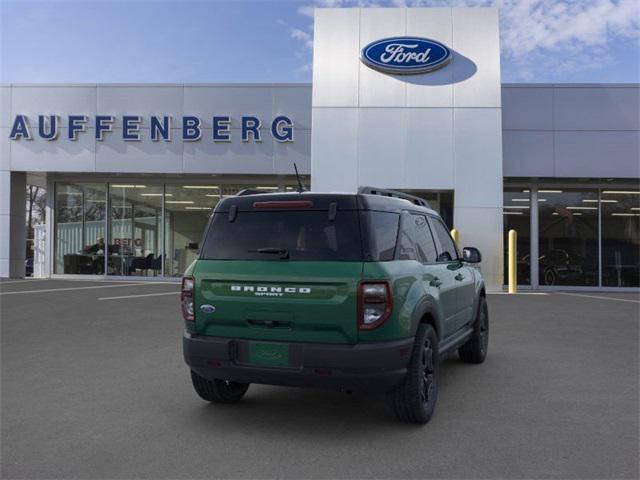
<point x="269" y="354"/>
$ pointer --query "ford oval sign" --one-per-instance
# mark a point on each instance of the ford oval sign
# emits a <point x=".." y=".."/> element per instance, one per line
<point x="405" y="55"/>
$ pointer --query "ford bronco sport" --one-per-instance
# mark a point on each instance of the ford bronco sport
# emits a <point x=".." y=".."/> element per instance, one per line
<point x="361" y="291"/>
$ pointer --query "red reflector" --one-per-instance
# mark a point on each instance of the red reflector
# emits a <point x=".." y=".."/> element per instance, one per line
<point x="284" y="204"/>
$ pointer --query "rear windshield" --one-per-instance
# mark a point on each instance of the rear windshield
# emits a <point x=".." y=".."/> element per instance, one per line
<point x="276" y="235"/>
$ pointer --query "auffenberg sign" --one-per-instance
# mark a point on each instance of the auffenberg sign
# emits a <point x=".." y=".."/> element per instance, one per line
<point x="159" y="128"/>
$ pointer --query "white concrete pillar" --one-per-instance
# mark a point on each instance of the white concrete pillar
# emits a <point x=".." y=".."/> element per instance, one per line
<point x="12" y="223"/>
<point x="439" y="131"/>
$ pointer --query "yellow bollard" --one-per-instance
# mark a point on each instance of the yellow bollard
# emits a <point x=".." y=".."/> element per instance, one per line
<point x="455" y="234"/>
<point x="513" y="272"/>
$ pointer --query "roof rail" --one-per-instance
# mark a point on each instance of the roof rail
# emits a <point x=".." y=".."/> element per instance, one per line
<point x="253" y="191"/>
<point x="395" y="194"/>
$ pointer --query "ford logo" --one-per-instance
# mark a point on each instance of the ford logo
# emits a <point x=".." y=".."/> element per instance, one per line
<point x="405" y="55"/>
<point x="207" y="308"/>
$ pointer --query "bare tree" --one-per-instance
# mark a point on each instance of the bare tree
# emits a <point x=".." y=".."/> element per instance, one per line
<point x="36" y="200"/>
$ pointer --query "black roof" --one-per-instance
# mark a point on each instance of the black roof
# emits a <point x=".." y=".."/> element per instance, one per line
<point x="321" y="201"/>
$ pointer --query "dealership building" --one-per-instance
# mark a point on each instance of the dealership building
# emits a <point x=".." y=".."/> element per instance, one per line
<point x="132" y="170"/>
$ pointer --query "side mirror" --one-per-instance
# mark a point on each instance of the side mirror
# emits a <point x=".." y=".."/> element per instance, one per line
<point x="471" y="255"/>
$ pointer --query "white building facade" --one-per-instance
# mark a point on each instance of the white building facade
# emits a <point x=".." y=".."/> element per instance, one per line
<point x="437" y="131"/>
<point x="132" y="171"/>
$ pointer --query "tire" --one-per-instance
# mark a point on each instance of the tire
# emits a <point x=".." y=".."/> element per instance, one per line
<point x="475" y="349"/>
<point x="218" y="391"/>
<point x="414" y="401"/>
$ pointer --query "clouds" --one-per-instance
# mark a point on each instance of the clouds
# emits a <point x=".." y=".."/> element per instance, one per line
<point x="305" y="37"/>
<point x="579" y="34"/>
<point x="304" y="50"/>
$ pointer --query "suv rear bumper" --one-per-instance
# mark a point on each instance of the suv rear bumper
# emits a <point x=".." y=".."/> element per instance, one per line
<point x="369" y="367"/>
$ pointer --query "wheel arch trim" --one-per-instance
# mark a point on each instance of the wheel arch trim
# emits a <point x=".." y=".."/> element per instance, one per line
<point x="426" y="312"/>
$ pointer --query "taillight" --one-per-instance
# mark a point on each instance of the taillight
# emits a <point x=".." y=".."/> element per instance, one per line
<point x="375" y="303"/>
<point x="187" y="298"/>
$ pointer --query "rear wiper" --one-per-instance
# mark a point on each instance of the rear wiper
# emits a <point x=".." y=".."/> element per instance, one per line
<point x="283" y="252"/>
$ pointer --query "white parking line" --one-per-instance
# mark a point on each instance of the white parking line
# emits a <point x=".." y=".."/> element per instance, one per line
<point x="599" y="297"/>
<point x="519" y="293"/>
<point x="23" y="281"/>
<point x="47" y="290"/>
<point x="138" y="296"/>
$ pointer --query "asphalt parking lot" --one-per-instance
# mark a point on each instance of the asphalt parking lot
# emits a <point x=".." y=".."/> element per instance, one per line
<point x="94" y="386"/>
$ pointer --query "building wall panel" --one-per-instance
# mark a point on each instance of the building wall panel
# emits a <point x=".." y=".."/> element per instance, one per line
<point x="528" y="153"/>
<point x="113" y="154"/>
<point x="596" y="108"/>
<point x="476" y="66"/>
<point x="376" y="89"/>
<point x="138" y="100"/>
<point x="440" y="82"/>
<point x="527" y="108"/>
<point x="336" y="40"/>
<point x="597" y="154"/>
<point x="62" y="155"/>
<point x="60" y="100"/>
<point x="332" y="168"/>
<point x="429" y="149"/>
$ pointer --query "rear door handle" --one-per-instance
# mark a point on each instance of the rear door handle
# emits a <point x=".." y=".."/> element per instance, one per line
<point x="435" y="282"/>
<point x="459" y="277"/>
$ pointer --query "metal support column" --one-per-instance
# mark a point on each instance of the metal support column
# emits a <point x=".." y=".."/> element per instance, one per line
<point x="534" y="242"/>
<point x="162" y="229"/>
<point x="107" y="233"/>
<point x="599" y="237"/>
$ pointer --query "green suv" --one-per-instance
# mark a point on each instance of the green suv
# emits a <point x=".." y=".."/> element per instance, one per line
<point x="357" y="292"/>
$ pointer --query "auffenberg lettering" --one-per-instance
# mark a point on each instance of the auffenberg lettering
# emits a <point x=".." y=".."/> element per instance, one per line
<point x="157" y="127"/>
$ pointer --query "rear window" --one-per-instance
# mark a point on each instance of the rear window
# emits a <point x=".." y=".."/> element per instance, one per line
<point x="272" y="235"/>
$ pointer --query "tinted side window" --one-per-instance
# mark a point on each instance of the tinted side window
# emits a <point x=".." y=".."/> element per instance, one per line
<point x="425" y="238"/>
<point x="448" y="250"/>
<point x="412" y="238"/>
<point x="382" y="235"/>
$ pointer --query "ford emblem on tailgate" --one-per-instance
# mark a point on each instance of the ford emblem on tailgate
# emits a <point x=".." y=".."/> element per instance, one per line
<point x="207" y="308"/>
<point x="405" y="55"/>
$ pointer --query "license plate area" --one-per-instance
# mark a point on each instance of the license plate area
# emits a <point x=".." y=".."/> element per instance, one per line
<point x="268" y="354"/>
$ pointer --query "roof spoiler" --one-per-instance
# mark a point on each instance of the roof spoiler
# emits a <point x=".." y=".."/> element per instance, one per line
<point x="395" y="194"/>
<point x="253" y="191"/>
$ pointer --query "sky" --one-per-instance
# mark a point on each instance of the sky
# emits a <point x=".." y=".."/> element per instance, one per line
<point x="212" y="41"/>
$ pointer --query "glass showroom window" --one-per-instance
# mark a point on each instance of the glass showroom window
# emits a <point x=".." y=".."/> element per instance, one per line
<point x="620" y="238"/>
<point x="80" y="211"/>
<point x="187" y="209"/>
<point x="568" y="237"/>
<point x="517" y="216"/>
<point x="135" y="229"/>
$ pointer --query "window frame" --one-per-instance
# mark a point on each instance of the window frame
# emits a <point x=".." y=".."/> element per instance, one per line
<point x="404" y="214"/>
<point x="438" y="243"/>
